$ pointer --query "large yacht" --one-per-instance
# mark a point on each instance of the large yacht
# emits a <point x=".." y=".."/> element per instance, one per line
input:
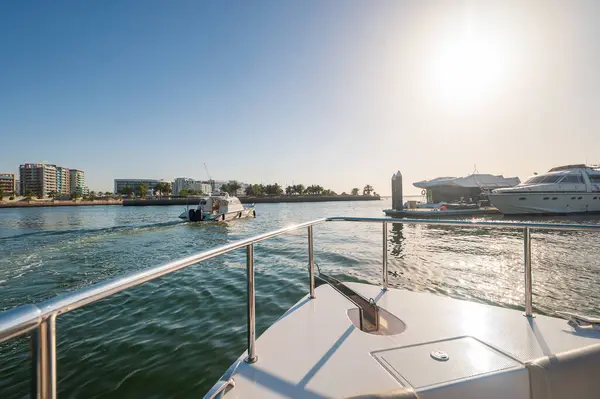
<point x="565" y="189"/>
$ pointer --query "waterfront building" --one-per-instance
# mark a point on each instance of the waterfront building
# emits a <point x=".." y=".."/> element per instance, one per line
<point x="185" y="183"/>
<point x="120" y="184"/>
<point x="40" y="179"/>
<point x="63" y="180"/>
<point x="76" y="181"/>
<point x="8" y="183"/>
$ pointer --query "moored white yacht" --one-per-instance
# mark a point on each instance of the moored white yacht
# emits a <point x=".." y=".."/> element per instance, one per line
<point x="565" y="189"/>
<point x="218" y="207"/>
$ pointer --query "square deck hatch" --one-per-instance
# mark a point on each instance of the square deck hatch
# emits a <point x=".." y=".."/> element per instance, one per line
<point x="441" y="362"/>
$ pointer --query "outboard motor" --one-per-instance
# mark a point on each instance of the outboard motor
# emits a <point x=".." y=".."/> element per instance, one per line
<point x="192" y="215"/>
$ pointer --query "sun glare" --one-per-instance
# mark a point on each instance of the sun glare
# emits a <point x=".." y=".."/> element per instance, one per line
<point x="467" y="68"/>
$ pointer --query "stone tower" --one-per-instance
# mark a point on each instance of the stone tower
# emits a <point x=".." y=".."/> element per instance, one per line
<point x="397" y="202"/>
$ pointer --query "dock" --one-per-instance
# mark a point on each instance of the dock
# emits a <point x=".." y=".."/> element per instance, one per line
<point x="429" y="213"/>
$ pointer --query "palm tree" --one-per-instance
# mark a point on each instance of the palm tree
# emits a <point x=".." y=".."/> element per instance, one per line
<point x="141" y="190"/>
<point x="368" y="189"/>
<point x="75" y="195"/>
<point x="167" y="189"/>
<point x="52" y="194"/>
<point x="355" y="191"/>
<point x="29" y="194"/>
<point x="233" y="186"/>
<point x="289" y="190"/>
<point x="128" y="191"/>
<point x="299" y="189"/>
<point x="343" y="193"/>
<point x="1" y="194"/>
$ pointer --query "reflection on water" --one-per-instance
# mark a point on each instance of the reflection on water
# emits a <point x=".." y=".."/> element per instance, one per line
<point x="397" y="240"/>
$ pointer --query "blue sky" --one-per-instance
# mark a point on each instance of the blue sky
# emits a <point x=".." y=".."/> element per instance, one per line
<point x="337" y="93"/>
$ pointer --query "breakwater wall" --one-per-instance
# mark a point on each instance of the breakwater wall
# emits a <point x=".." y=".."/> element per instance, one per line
<point x="33" y="204"/>
<point x="253" y="200"/>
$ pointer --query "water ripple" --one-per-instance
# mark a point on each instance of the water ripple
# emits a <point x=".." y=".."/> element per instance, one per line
<point x="175" y="336"/>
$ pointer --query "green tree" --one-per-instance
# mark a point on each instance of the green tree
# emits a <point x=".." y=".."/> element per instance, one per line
<point x="128" y="191"/>
<point x="355" y="191"/>
<point x="232" y="187"/>
<point x="314" y="189"/>
<point x="75" y="195"/>
<point x="299" y="189"/>
<point x="92" y="195"/>
<point x="273" y="189"/>
<point x="29" y="194"/>
<point x="142" y="189"/>
<point x="344" y="193"/>
<point x="161" y="188"/>
<point x="289" y="190"/>
<point x="368" y="190"/>
<point x="254" y="190"/>
<point x="52" y="194"/>
<point x="1" y="194"/>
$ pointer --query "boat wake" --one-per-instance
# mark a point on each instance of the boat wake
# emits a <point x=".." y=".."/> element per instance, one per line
<point x="103" y="230"/>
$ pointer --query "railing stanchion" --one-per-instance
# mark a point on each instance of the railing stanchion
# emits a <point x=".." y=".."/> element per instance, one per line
<point x="527" y="264"/>
<point x="384" y="279"/>
<point x="51" y="347"/>
<point x="43" y="379"/>
<point x="311" y="263"/>
<point x="251" y="305"/>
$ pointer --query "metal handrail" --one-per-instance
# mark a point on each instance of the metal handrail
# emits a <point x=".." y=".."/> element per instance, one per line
<point x="41" y="318"/>
<point x="473" y="223"/>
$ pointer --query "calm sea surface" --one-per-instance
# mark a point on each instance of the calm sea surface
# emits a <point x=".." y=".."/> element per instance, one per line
<point x="175" y="336"/>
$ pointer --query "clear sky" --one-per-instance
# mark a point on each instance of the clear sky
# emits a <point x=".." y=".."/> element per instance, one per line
<point x="337" y="93"/>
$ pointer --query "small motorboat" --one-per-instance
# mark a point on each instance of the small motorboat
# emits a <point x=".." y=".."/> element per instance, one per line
<point x="218" y="208"/>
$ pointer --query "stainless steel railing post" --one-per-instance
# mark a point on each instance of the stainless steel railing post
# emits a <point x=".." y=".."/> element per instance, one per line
<point x="384" y="279"/>
<point x="44" y="360"/>
<point x="51" y="347"/>
<point x="527" y="264"/>
<point x="311" y="263"/>
<point x="251" y="305"/>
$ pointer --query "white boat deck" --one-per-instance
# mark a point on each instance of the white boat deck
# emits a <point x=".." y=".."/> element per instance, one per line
<point x="315" y="351"/>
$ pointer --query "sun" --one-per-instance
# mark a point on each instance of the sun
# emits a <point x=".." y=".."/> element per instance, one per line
<point x="467" y="68"/>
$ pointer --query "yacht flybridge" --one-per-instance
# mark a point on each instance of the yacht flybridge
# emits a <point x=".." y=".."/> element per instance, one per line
<point x="562" y="190"/>
<point x="355" y="340"/>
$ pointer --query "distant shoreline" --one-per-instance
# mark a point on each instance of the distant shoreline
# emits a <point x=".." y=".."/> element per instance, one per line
<point x="254" y="200"/>
<point x="186" y="201"/>
<point x="52" y="204"/>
